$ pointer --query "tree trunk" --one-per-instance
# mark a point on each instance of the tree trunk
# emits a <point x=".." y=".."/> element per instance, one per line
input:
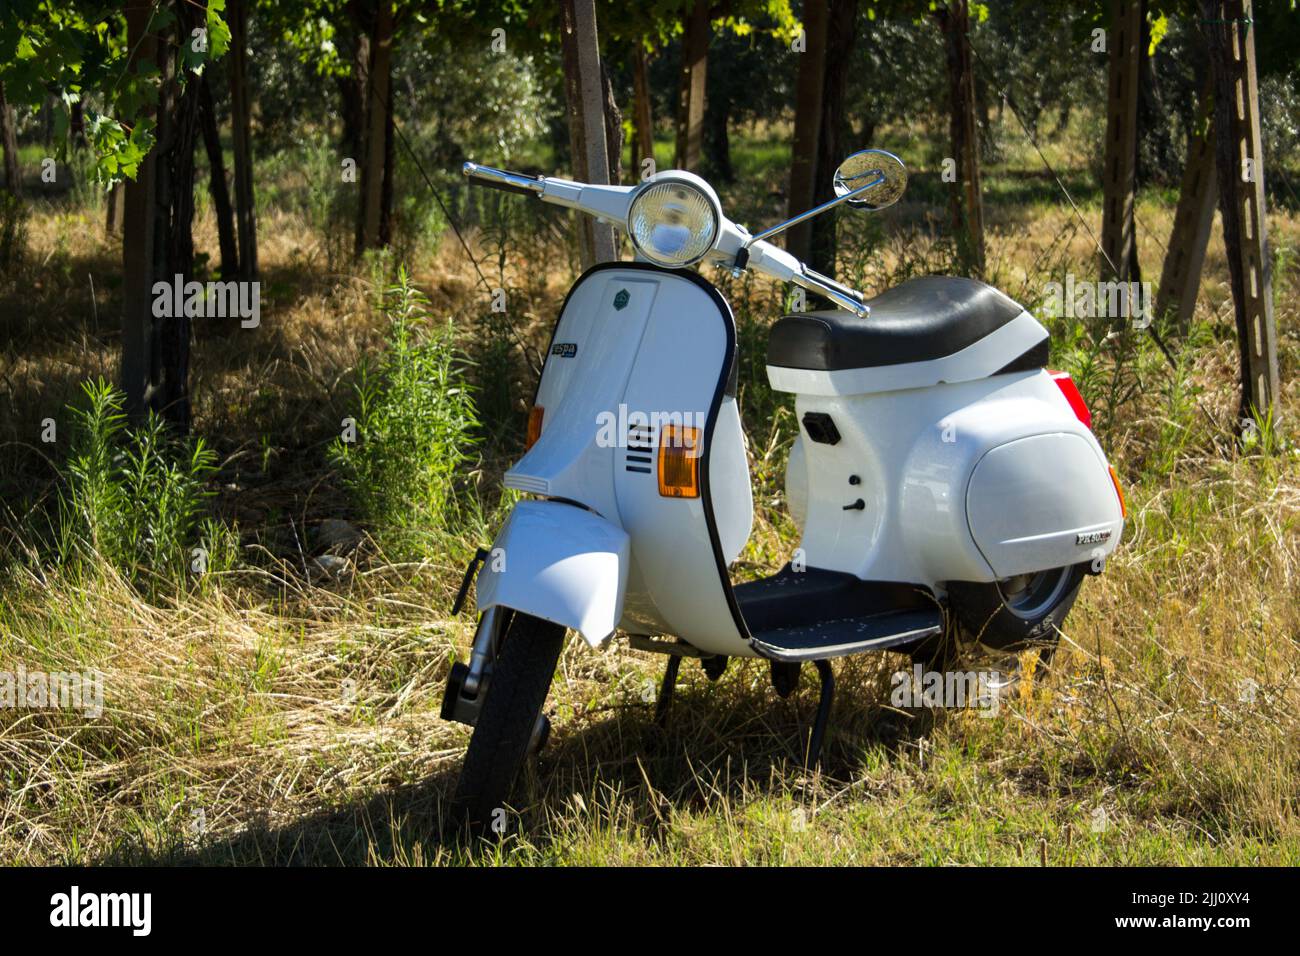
<point x="353" y="87"/>
<point x="9" y="143"/>
<point x="717" y="139"/>
<point x="965" y="204"/>
<point x="585" y="102"/>
<point x="808" y="88"/>
<point x="644" y="117"/>
<point x="832" y="149"/>
<point x="221" y="207"/>
<point x="138" y="239"/>
<point x="378" y="110"/>
<point x="613" y="127"/>
<point x="178" y="220"/>
<point x="245" y="206"/>
<point x="1180" y="279"/>
<point x="77" y="125"/>
<point x="114" y="214"/>
<point x="157" y="239"/>
<point x="695" y="63"/>
<point x="386" y="194"/>
<point x="1119" y="175"/>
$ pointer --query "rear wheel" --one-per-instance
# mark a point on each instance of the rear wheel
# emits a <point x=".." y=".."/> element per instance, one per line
<point x="1010" y="615"/>
<point x="504" y="732"/>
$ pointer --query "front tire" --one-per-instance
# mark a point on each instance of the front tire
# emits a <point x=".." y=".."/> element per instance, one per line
<point x="521" y="678"/>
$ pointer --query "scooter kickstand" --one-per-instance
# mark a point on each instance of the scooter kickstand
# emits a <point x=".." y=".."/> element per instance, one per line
<point x="813" y="756"/>
<point x="666" y="690"/>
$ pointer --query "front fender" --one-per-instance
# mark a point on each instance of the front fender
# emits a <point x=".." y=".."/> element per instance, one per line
<point x="561" y="563"/>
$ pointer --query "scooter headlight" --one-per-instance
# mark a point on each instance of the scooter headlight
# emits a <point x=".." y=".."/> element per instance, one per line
<point x="673" y="220"/>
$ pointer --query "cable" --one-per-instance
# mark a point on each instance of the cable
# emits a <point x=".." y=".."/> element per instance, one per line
<point x="1006" y="98"/>
<point x="392" y="115"/>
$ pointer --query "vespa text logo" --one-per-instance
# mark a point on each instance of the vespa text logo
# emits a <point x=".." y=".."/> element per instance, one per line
<point x="38" y="690"/>
<point x="615" y="430"/>
<point x="103" y="909"/>
<point x="215" y="300"/>
<point x="1100" y="300"/>
<point x="947" y="689"/>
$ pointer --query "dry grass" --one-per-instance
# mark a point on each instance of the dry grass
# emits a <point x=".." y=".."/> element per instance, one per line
<point x="264" y="717"/>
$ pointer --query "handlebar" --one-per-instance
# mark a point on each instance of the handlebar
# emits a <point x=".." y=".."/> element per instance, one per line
<point x="841" y="295"/>
<point x="504" y="180"/>
<point x="734" y="244"/>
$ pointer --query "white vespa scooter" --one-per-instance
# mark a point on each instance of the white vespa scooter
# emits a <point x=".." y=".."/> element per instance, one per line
<point x="941" y="473"/>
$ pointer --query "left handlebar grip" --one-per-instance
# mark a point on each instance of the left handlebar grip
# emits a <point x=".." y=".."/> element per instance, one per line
<point x="503" y="179"/>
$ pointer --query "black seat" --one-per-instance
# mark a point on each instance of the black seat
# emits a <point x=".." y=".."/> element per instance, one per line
<point x="921" y="319"/>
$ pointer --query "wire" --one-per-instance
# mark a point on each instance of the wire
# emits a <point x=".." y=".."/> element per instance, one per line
<point x="1006" y="98"/>
<point x="392" y="116"/>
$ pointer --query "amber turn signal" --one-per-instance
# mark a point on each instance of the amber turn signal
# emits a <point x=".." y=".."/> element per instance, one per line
<point x="534" y="426"/>
<point x="679" y="462"/>
<point x="1114" y="478"/>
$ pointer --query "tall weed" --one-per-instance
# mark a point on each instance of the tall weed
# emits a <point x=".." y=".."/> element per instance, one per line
<point x="135" y="496"/>
<point x="414" y="424"/>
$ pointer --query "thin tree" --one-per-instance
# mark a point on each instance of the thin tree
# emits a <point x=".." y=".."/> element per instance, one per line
<point x="809" y="86"/>
<point x="9" y="143"/>
<point x="378" y="131"/>
<point x="240" y="124"/>
<point x="221" y="206"/>
<point x="691" y="92"/>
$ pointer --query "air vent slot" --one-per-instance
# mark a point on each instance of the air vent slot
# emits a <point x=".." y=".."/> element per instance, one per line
<point x="638" y="456"/>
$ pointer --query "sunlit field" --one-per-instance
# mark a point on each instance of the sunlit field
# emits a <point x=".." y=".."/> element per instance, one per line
<point x="282" y="705"/>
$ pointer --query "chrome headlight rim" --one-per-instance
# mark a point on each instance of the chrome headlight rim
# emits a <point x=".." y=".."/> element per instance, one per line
<point x="690" y="181"/>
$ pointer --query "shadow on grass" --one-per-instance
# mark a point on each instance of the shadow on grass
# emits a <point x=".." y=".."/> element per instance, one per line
<point x="730" y="742"/>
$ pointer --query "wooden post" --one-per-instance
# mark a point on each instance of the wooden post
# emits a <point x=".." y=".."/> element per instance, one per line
<point x="1239" y="157"/>
<point x="586" y="106"/>
<point x="966" y="204"/>
<point x="1180" y="280"/>
<point x="1119" y="176"/>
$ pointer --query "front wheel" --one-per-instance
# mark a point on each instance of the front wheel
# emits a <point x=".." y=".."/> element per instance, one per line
<point x="521" y="678"/>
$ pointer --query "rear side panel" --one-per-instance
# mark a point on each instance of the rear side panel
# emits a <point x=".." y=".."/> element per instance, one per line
<point x="1042" y="502"/>
<point x="909" y="456"/>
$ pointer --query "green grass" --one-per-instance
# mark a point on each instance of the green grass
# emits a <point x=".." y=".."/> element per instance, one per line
<point x="267" y="714"/>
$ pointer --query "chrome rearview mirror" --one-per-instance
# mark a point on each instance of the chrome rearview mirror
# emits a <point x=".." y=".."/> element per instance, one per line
<point x="881" y="172"/>
<point x="868" y="179"/>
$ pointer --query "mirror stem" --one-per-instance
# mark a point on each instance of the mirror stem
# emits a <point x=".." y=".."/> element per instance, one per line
<point x="815" y="211"/>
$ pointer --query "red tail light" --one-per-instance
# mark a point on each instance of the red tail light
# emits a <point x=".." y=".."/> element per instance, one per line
<point x="1071" y="393"/>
